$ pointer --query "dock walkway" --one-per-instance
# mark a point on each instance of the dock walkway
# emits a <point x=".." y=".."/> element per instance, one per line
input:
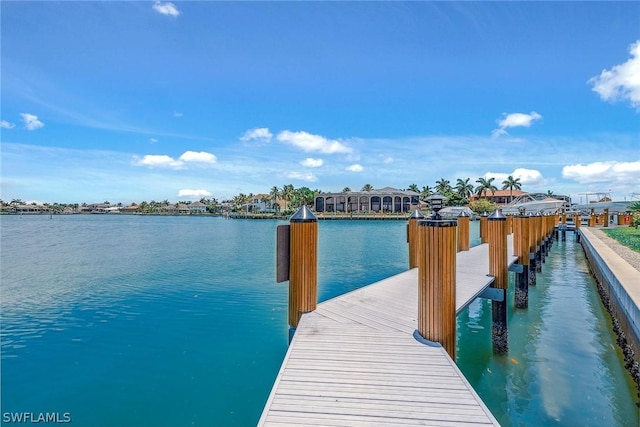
<point x="358" y="359"/>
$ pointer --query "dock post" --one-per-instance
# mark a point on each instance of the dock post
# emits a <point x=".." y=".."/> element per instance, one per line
<point x="412" y="238"/>
<point x="483" y="228"/>
<point x="606" y="218"/>
<point x="498" y="268"/>
<point x="509" y="224"/>
<point x="521" y="250"/>
<point x="592" y="220"/>
<point x="544" y="234"/>
<point x="303" y="267"/>
<point x="463" y="231"/>
<point x="537" y="242"/>
<point x="437" y="283"/>
<point x="532" y="249"/>
<point x="550" y="227"/>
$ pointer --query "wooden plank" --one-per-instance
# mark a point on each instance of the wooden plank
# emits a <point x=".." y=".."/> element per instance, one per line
<point x="296" y="419"/>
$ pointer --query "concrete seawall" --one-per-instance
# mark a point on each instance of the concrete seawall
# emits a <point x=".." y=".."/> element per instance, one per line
<point x="621" y="283"/>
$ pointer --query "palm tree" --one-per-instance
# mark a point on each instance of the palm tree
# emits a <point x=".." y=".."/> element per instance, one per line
<point x="303" y="196"/>
<point x="464" y="188"/>
<point x="367" y="187"/>
<point x="485" y="185"/>
<point x="413" y="187"/>
<point x="426" y="192"/>
<point x="288" y="192"/>
<point x="550" y="193"/>
<point x="443" y="186"/>
<point x="511" y="183"/>
<point x="346" y="190"/>
<point x="275" y="193"/>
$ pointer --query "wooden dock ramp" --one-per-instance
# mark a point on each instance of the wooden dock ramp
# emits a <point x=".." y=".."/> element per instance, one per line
<point x="357" y="360"/>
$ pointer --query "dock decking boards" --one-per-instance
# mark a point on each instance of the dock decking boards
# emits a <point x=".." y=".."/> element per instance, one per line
<point x="354" y="361"/>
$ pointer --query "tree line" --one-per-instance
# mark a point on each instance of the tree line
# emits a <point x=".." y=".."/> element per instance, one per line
<point x="287" y="198"/>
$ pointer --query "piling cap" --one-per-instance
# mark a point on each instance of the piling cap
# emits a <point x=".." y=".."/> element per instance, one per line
<point x="303" y="214"/>
<point x="484" y="213"/>
<point x="416" y="215"/>
<point x="463" y="214"/>
<point x="497" y="215"/>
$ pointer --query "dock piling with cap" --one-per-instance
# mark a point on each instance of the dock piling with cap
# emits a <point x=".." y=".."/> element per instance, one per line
<point x="303" y="266"/>
<point x="521" y="250"/>
<point x="498" y="268"/>
<point x="463" y="231"/>
<point x="437" y="283"/>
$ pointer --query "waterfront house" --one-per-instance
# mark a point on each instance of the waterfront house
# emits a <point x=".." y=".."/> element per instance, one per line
<point x="197" y="208"/>
<point x="500" y="197"/>
<point x="385" y="199"/>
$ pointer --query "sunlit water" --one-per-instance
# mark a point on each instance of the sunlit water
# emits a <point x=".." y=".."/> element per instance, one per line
<point x="176" y="321"/>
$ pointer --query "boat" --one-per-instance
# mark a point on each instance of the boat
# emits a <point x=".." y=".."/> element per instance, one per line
<point x="537" y="203"/>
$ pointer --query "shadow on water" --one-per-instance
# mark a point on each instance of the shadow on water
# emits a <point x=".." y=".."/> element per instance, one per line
<point x="563" y="366"/>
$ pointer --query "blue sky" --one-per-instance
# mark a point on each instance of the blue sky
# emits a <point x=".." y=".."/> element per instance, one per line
<point x="131" y="101"/>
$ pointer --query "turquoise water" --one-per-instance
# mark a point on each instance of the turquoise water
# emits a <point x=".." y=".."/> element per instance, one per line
<point x="176" y="321"/>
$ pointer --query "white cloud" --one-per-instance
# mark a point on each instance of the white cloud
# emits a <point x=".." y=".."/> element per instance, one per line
<point x="166" y="8"/>
<point x="621" y="82"/>
<point x="194" y="194"/>
<point x="309" y="142"/>
<point x="388" y="160"/>
<point x="309" y="177"/>
<point x="198" y="157"/>
<point x="153" y="140"/>
<point x="6" y="125"/>
<point x="164" y="161"/>
<point x="257" y="134"/>
<point x="526" y="176"/>
<point x="312" y="163"/>
<point x="604" y="172"/>
<point x="515" y="120"/>
<point x="31" y="122"/>
<point x="177" y="114"/>
<point x="159" y="161"/>
<point x="355" y="168"/>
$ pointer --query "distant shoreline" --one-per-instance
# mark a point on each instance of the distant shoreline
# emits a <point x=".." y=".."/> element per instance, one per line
<point x="267" y="216"/>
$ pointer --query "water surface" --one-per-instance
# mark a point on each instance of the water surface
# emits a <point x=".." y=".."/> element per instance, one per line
<point x="176" y="321"/>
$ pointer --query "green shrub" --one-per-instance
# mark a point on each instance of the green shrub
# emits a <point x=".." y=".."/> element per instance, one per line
<point x="482" y="205"/>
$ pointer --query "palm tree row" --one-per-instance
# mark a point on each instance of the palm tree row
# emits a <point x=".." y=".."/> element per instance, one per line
<point x="296" y="197"/>
<point x="464" y="189"/>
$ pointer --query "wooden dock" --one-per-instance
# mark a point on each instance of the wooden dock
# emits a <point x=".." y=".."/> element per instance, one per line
<point x="358" y="359"/>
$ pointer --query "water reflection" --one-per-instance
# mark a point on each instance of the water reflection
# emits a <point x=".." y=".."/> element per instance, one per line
<point x="563" y="367"/>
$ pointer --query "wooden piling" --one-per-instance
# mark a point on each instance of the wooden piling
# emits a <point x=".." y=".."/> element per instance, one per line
<point x="463" y="231"/>
<point x="550" y="229"/>
<point x="521" y="250"/>
<point x="483" y="228"/>
<point x="303" y="268"/>
<point x="413" y="237"/>
<point x="592" y="220"/>
<point x="498" y="268"/>
<point x="605" y="220"/>
<point x="437" y="283"/>
<point x="509" y="224"/>
<point x="532" y="250"/>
